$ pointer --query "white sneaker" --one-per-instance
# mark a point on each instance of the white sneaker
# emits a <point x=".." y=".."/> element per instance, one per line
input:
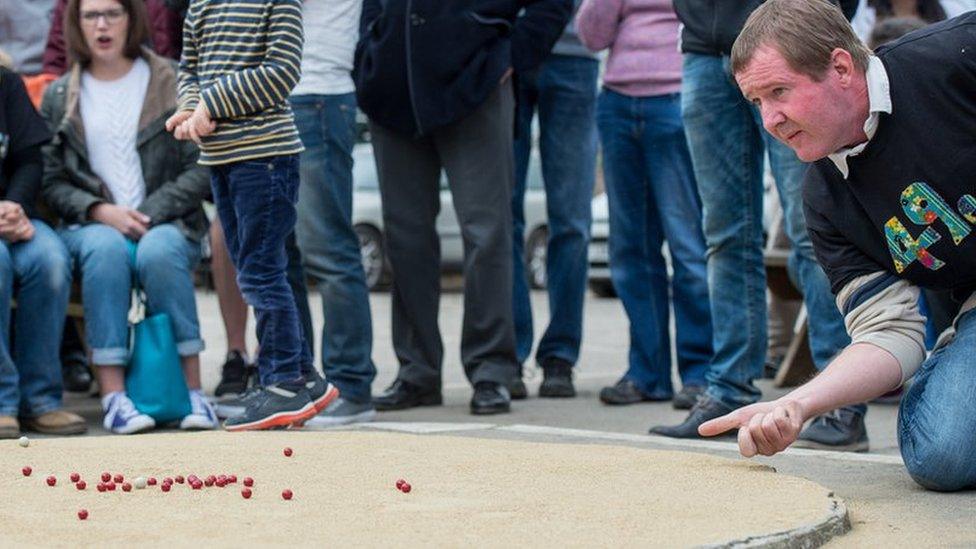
<point x="202" y="415"/>
<point x="121" y="416"/>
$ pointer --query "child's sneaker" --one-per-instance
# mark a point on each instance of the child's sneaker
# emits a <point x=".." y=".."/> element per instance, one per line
<point x="202" y="415"/>
<point x="121" y="416"/>
<point x="274" y="407"/>
<point x="320" y="391"/>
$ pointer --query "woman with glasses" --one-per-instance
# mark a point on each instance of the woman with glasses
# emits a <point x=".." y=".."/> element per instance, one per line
<point x="120" y="182"/>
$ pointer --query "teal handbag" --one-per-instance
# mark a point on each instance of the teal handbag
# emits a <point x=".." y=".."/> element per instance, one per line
<point x="154" y="379"/>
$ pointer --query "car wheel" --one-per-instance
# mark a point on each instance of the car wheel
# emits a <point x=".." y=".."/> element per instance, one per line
<point x="603" y="288"/>
<point x="535" y="258"/>
<point x="374" y="256"/>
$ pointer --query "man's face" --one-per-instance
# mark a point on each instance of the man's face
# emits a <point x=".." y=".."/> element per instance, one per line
<point x="810" y="117"/>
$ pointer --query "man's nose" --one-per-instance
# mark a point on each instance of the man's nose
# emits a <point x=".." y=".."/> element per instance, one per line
<point x="772" y="117"/>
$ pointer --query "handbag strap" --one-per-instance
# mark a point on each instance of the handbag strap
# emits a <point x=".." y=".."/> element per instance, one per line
<point x="140" y="311"/>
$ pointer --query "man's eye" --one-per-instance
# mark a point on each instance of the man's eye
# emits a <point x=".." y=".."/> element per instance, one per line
<point x="778" y="92"/>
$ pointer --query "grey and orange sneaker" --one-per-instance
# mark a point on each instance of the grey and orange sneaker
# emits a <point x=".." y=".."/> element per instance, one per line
<point x="320" y="391"/>
<point x="274" y="407"/>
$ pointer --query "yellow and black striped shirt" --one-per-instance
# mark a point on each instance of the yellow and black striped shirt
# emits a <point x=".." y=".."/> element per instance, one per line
<point x="242" y="58"/>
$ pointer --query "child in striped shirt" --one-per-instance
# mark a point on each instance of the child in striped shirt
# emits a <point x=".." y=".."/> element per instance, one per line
<point x="241" y="59"/>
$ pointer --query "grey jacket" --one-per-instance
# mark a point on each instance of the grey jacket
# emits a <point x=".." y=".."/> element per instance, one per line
<point x="175" y="184"/>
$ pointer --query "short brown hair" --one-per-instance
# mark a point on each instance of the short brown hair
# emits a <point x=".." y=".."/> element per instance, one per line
<point x="804" y="32"/>
<point x="74" y="40"/>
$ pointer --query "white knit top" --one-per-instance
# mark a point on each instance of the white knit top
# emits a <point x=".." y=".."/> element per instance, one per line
<point x="110" y="112"/>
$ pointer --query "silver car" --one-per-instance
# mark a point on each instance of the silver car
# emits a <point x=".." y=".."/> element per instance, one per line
<point x="367" y="219"/>
<point x="598" y="254"/>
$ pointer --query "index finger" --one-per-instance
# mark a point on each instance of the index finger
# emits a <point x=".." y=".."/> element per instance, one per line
<point x="719" y="425"/>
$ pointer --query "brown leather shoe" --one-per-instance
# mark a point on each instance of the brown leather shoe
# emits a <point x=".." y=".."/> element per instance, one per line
<point x="57" y="422"/>
<point x="9" y="427"/>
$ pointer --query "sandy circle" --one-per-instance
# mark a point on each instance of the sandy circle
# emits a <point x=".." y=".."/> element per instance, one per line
<point x="465" y="491"/>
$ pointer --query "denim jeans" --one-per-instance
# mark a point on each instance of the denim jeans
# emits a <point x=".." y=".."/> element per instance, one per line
<point x="563" y="92"/>
<point x="164" y="263"/>
<point x="727" y="142"/>
<point x="330" y="248"/>
<point x="30" y="372"/>
<point x="256" y="200"/>
<point x="937" y="418"/>
<point x="653" y="199"/>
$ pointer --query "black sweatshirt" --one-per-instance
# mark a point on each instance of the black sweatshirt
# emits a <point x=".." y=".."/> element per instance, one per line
<point x="908" y="206"/>
<point x="22" y="132"/>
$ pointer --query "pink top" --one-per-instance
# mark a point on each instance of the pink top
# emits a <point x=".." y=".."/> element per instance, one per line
<point x="643" y="39"/>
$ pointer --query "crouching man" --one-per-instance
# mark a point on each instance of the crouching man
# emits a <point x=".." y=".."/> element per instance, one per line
<point x="890" y="203"/>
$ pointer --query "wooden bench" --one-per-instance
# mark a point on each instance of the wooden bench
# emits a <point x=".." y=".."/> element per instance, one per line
<point x="797" y="366"/>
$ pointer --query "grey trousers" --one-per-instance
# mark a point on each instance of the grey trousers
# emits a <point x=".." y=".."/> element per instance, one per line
<point x="477" y="155"/>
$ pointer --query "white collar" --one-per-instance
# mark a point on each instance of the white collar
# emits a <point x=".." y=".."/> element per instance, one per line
<point x="879" y="100"/>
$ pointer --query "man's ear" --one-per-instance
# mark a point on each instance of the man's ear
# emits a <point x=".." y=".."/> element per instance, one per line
<point x="842" y="66"/>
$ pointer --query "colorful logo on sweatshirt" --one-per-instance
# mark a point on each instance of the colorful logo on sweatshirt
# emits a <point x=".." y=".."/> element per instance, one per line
<point x="924" y="206"/>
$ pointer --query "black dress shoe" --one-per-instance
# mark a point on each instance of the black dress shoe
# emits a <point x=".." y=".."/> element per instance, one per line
<point x="233" y="375"/>
<point x="841" y="430"/>
<point x="490" y="398"/>
<point x="75" y="372"/>
<point x="516" y="387"/>
<point x="704" y="410"/>
<point x="687" y="397"/>
<point x="625" y="392"/>
<point x="557" y="379"/>
<point x="518" y="390"/>
<point x="402" y="395"/>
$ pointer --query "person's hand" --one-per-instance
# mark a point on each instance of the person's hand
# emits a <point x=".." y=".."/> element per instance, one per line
<point x="197" y="126"/>
<point x="765" y="428"/>
<point x="174" y="122"/>
<point x="129" y="222"/>
<point x="15" y="226"/>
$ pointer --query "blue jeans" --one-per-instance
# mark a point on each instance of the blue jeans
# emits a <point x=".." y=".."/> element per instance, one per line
<point x="727" y="142"/>
<point x="330" y="248"/>
<point x="30" y="373"/>
<point x="653" y="198"/>
<point x="563" y="91"/>
<point x="256" y="200"/>
<point x="164" y="263"/>
<point x="937" y="418"/>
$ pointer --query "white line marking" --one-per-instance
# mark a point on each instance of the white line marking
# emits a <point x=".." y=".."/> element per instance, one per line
<point x="444" y="427"/>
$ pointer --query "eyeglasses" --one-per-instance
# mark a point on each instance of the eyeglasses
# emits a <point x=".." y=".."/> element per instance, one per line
<point x="111" y="16"/>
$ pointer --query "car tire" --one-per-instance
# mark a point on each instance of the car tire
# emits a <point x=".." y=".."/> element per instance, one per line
<point x="602" y="288"/>
<point x="535" y="258"/>
<point x="375" y="263"/>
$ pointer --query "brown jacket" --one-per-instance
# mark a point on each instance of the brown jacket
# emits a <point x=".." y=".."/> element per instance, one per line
<point x="175" y="183"/>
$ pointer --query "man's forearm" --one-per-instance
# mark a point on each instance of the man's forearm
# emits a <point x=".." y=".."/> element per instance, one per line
<point x="860" y="373"/>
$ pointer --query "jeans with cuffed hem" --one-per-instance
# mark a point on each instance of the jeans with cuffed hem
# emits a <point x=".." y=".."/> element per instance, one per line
<point x="164" y="261"/>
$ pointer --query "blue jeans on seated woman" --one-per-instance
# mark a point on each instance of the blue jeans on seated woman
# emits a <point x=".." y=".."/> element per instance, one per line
<point x="653" y="199"/>
<point x="164" y="262"/>
<point x="30" y="372"/>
